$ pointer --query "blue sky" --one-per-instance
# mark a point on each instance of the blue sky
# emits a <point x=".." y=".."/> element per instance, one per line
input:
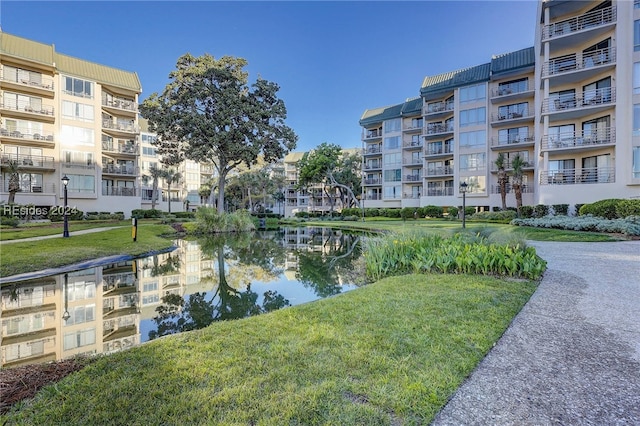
<point x="332" y="60"/>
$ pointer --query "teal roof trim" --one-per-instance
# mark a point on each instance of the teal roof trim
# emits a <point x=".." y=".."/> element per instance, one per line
<point x="455" y="79"/>
<point x="412" y="107"/>
<point x="513" y="61"/>
<point x="378" y="115"/>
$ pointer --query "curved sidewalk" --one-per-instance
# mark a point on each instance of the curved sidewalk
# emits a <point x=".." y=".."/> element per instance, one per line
<point x="572" y="355"/>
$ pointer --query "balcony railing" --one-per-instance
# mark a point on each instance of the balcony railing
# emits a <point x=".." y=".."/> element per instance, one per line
<point x="119" y="103"/>
<point x="39" y="82"/>
<point x="412" y="161"/>
<point x="579" y="139"/>
<point x="412" y="144"/>
<point x="511" y="115"/>
<point x="370" y="134"/>
<point x="439" y="150"/>
<point x="79" y="166"/>
<point x="372" y="197"/>
<point x="512" y="139"/>
<point x="119" y="191"/>
<point x="604" y="96"/>
<point x="48" y="188"/>
<point x="526" y="189"/>
<point x="373" y="181"/>
<point x="26" y="106"/>
<point x="133" y="149"/>
<point x="410" y="127"/>
<point x="35" y="161"/>
<point x="129" y="128"/>
<point x="589" y="20"/>
<point x="413" y="178"/>
<point x="119" y="169"/>
<point x="411" y="196"/>
<point x="23" y="132"/>
<point x="440" y="171"/>
<point x="579" y="61"/>
<point x="440" y="192"/>
<point x="372" y="166"/>
<point x="510" y="89"/>
<point x="373" y="149"/>
<point x="578" y="176"/>
<point x="437" y="107"/>
<point x="508" y="165"/>
<point x="435" y="128"/>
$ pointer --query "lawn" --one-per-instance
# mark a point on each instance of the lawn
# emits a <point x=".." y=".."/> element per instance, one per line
<point x="20" y="257"/>
<point x="52" y="228"/>
<point x="391" y="352"/>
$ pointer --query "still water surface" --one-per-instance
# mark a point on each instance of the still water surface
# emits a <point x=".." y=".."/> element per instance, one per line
<point x="116" y="306"/>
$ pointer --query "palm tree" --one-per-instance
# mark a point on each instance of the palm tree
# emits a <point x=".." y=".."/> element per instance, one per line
<point x="155" y="173"/>
<point x="503" y="179"/>
<point x="518" y="164"/>
<point x="14" y="181"/>
<point x="171" y="176"/>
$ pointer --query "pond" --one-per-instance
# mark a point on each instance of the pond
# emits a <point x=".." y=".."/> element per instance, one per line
<point x="112" y="307"/>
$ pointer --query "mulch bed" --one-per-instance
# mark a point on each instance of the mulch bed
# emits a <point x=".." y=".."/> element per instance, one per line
<point x="21" y="383"/>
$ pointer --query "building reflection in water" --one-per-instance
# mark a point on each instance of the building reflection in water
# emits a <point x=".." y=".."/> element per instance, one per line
<point x="113" y="307"/>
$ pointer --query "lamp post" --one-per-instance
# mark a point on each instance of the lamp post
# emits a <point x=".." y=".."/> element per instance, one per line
<point x="65" y="233"/>
<point x="463" y="189"/>
<point x="66" y="315"/>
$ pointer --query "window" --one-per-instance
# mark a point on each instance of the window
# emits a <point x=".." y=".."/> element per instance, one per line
<point x="81" y="290"/>
<point x="476" y="184"/>
<point x="473" y="93"/>
<point x="391" y="192"/>
<point x="636" y="162"/>
<point x="23" y="127"/>
<point x="636" y="35"/>
<point x="22" y="76"/>
<point x="29" y="182"/>
<point x="392" y="159"/>
<point x="474" y="162"/>
<point x="598" y="92"/>
<point x="562" y="100"/>
<point x="394" y="175"/>
<point x="416" y="123"/>
<point x="77" y="111"/>
<point x="80" y="338"/>
<point x="636" y="120"/>
<point x="81" y="314"/>
<point x="513" y="135"/>
<point x="513" y="86"/>
<point x="148" y="139"/>
<point x="72" y="135"/>
<point x="77" y="87"/>
<point x="23" y="103"/>
<point x="477" y="138"/>
<point x="595" y="131"/>
<point x="597" y="54"/>
<point x="81" y="183"/>
<point x="513" y="111"/>
<point x="392" y="143"/>
<point x="148" y="151"/>
<point x="470" y="117"/>
<point x="636" y="78"/>
<point x="77" y="157"/>
<point x="392" y="125"/>
<point x="596" y="169"/>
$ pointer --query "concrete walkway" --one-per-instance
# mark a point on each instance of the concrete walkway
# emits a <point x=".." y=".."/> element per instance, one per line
<point x="59" y="235"/>
<point x="572" y="355"/>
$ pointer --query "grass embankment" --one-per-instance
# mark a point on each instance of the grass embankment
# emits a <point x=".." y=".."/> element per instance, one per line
<point x="43" y="229"/>
<point x="446" y="227"/>
<point x="389" y="353"/>
<point x="20" y="257"/>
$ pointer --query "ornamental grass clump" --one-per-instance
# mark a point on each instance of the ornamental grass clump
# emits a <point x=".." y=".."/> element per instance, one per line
<point x="463" y="254"/>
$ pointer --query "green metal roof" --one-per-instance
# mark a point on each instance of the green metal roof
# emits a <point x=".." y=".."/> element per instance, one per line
<point x="45" y="54"/>
<point x="513" y="61"/>
<point x="378" y="115"/>
<point x="452" y="80"/>
<point x="412" y="107"/>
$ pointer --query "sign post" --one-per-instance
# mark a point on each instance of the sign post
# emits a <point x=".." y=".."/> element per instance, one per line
<point x="134" y="229"/>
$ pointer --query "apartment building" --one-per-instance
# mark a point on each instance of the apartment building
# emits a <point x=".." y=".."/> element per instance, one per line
<point x="313" y="199"/>
<point x="569" y="106"/>
<point x="64" y="116"/>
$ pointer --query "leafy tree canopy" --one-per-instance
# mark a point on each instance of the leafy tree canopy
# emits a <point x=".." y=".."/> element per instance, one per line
<point x="209" y="113"/>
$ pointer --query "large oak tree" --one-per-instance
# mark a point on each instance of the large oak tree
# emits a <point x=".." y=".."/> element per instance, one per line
<point x="209" y="113"/>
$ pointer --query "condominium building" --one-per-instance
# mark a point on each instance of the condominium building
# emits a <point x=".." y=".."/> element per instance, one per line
<point x="64" y="116"/>
<point x="569" y="107"/>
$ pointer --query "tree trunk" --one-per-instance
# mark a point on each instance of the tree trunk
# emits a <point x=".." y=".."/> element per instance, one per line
<point x="502" y="184"/>
<point x="154" y="194"/>
<point x="169" y="195"/>
<point x="221" y="178"/>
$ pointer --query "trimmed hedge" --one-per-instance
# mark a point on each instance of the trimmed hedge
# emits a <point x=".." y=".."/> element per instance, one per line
<point x="612" y="208"/>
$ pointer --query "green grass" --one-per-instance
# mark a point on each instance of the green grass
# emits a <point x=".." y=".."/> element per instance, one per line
<point x="392" y="352"/>
<point x="29" y="230"/>
<point x="22" y="257"/>
<point x="446" y="227"/>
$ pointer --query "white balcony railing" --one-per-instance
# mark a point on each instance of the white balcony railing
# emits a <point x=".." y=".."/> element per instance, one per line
<point x="589" y="98"/>
<point x="579" y="139"/>
<point x="24" y="132"/>
<point x="589" y="20"/>
<point x="578" y="61"/>
<point x="578" y="176"/>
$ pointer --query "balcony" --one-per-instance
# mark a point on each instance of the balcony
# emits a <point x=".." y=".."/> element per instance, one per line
<point x="528" y="165"/>
<point x="373" y="166"/>
<point x="589" y="21"/>
<point x="28" y="110"/>
<point x="120" y="105"/>
<point x="412" y="178"/>
<point x="411" y="196"/>
<point x="28" y="161"/>
<point x="438" y="151"/>
<point x="78" y="166"/>
<point x="119" y="169"/>
<point x="440" y="171"/>
<point x="25" y="136"/>
<point x="372" y="197"/>
<point x="119" y="191"/>
<point x="372" y="134"/>
<point x="373" y="181"/>
<point x="436" y="109"/>
<point x="578" y="176"/>
<point x="512" y="141"/>
<point x="31" y="82"/>
<point x="412" y="128"/>
<point x="511" y="91"/>
<point x="578" y="67"/>
<point x="412" y="144"/>
<point x="511" y="117"/>
<point x="576" y="106"/>
<point x="46" y="188"/>
<point x="439" y="192"/>
<point x="126" y="149"/>
<point x="412" y="161"/>
<point x="438" y="129"/>
<point x="579" y="140"/>
<point x="206" y="169"/>
<point x="526" y="189"/>
<point x="375" y="149"/>
<point x="126" y="128"/>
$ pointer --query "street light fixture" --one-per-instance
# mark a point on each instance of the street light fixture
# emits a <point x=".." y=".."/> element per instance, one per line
<point x="463" y="190"/>
<point x="65" y="232"/>
<point x="66" y="315"/>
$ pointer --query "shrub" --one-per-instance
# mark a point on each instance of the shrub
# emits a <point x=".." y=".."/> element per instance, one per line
<point x="392" y="213"/>
<point x="408" y="213"/>
<point x="299" y="214"/>
<point x="452" y="212"/>
<point x="560" y="209"/>
<point x="433" y="211"/>
<point x="499" y="216"/>
<point x="372" y="212"/>
<point x="626" y="208"/>
<point x="351" y="218"/>
<point x="210" y="221"/>
<point x="9" y="221"/>
<point x="526" y="211"/>
<point x="185" y="215"/>
<point x="540" y="210"/>
<point x="602" y="208"/>
<point x="56" y="216"/>
<point x="149" y="214"/>
<point x="469" y="211"/>
<point x="628" y="226"/>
